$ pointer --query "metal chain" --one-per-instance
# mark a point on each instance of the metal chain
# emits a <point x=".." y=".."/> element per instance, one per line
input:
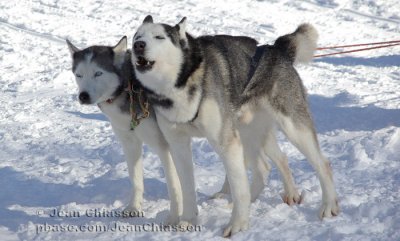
<point x="143" y="104"/>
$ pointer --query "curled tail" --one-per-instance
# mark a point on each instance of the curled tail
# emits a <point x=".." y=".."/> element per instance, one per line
<point x="300" y="45"/>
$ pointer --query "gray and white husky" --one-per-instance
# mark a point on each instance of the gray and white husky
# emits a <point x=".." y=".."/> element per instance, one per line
<point x="102" y="74"/>
<point x="236" y="95"/>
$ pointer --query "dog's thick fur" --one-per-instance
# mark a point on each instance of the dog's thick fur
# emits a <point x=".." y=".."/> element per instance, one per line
<point x="236" y="95"/>
<point x="102" y="74"/>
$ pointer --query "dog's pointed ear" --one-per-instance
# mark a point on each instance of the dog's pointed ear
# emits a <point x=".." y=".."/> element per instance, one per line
<point x="148" y="19"/>
<point x="122" y="45"/>
<point x="120" y="51"/>
<point x="181" y="26"/>
<point x="71" y="47"/>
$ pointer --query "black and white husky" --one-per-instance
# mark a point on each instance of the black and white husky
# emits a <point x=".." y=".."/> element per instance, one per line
<point x="102" y="74"/>
<point x="236" y="95"/>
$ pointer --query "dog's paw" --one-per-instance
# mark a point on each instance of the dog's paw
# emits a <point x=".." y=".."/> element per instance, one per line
<point x="132" y="211"/>
<point x="218" y="195"/>
<point x="235" y="226"/>
<point x="185" y="225"/>
<point x="189" y="218"/>
<point x="329" y="209"/>
<point x="292" y="198"/>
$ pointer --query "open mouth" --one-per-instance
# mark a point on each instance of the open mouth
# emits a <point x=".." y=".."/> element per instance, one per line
<point x="143" y="64"/>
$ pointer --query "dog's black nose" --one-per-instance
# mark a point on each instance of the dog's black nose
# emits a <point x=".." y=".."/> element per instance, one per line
<point x="84" y="97"/>
<point x="139" y="46"/>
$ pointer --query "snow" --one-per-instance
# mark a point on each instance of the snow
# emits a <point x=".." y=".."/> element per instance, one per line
<point x="57" y="154"/>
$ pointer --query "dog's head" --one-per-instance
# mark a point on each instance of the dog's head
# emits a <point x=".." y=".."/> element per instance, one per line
<point x="96" y="71"/>
<point x="158" y="51"/>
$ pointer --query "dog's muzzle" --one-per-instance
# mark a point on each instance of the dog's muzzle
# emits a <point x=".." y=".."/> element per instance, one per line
<point x="142" y="64"/>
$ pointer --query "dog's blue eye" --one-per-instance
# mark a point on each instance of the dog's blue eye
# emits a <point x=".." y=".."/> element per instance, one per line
<point x="98" y="73"/>
<point x="159" y="37"/>
<point x="78" y="76"/>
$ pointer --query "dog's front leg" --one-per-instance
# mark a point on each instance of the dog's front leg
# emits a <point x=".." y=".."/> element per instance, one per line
<point x="132" y="148"/>
<point x="179" y="142"/>
<point x="174" y="188"/>
<point x="229" y="147"/>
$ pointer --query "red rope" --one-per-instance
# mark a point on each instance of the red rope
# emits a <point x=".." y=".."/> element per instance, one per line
<point x="382" y="45"/>
<point x="358" y="45"/>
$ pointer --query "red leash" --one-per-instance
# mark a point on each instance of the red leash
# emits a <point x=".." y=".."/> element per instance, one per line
<point x="380" y="45"/>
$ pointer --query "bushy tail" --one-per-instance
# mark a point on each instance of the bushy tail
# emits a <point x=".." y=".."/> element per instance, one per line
<point x="300" y="45"/>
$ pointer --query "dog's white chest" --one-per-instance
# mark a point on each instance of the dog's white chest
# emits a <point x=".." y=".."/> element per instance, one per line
<point x="118" y="119"/>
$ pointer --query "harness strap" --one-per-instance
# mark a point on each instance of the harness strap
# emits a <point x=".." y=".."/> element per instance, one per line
<point x="137" y="95"/>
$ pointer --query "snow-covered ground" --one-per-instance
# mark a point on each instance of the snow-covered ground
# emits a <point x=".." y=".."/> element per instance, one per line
<point x="57" y="154"/>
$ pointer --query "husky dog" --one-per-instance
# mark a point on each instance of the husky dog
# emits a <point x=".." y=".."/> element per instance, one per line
<point x="102" y="74"/>
<point x="236" y="95"/>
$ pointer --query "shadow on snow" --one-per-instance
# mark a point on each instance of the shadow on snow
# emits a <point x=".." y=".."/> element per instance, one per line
<point x="18" y="189"/>
<point x="381" y="61"/>
<point x="329" y="114"/>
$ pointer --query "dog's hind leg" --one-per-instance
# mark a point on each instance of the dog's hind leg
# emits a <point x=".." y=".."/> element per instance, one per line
<point x="273" y="151"/>
<point x="255" y="161"/>
<point x="260" y="170"/>
<point x="303" y="136"/>
<point x="225" y="190"/>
